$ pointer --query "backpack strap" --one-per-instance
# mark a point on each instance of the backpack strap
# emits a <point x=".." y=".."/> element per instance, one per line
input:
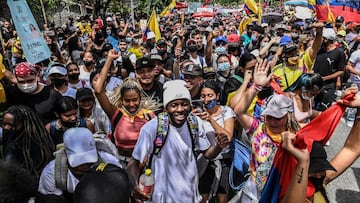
<point x="201" y="61"/>
<point x="61" y="169"/>
<point x="162" y="132"/>
<point x="82" y="123"/>
<point x="118" y="115"/>
<point x="193" y="126"/>
<point x="52" y="128"/>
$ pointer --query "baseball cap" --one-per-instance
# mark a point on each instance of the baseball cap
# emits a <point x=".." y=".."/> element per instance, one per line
<point x="220" y="38"/>
<point x="107" y="47"/>
<point x="280" y="26"/>
<point x="258" y="29"/>
<point x="57" y="69"/>
<point x="144" y="62"/>
<point x="150" y="35"/>
<point x="84" y="93"/>
<point x="193" y="69"/>
<point x="329" y="33"/>
<point x="278" y="106"/>
<point x="285" y="40"/>
<point x="80" y="146"/>
<point x="318" y="159"/>
<point x="109" y="19"/>
<point x="233" y="40"/>
<point x="289" y="47"/>
<point x="208" y="71"/>
<point x="341" y="33"/>
<point x="156" y="57"/>
<point x="190" y="41"/>
<point x="160" y="42"/>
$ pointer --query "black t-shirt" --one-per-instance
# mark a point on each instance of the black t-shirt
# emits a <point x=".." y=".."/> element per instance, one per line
<point x="42" y="103"/>
<point x="169" y="63"/>
<point x="330" y="62"/>
<point x="157" y="91"/>
<point x="201" y="52"/>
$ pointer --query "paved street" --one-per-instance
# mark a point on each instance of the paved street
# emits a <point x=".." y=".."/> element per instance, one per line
<point x="345" y="189"/>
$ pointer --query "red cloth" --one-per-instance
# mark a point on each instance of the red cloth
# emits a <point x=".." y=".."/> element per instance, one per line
<point x="24" y="69"/>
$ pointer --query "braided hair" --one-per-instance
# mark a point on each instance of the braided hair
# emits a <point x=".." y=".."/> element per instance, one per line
<point x="30" y="132"/>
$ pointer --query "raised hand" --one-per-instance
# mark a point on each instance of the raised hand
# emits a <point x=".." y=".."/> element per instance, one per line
<point x="287" y="143"/>
<point x="261" y="76"/>
<point x="112" y="54"/>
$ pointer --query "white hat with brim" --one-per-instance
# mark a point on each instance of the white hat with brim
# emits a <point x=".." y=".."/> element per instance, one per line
<point x="278" y="106"/>
<point x="80" y="146"/>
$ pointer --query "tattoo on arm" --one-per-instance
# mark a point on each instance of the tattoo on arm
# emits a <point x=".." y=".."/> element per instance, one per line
<point x="300" y="175"/>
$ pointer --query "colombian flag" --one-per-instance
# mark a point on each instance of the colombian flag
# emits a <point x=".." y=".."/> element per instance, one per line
<point x="152" y="26"/>
<point x="322" y="9"/>
<point x="320" y="129"/>
<point x="167" y="9"/>
<point x="250" y="7"/>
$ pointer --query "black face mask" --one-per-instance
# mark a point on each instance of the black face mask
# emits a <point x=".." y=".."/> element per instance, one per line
<point x="88" y="63"/>
<point x="68" y="124"/>
<point x="192" y="48"/>
<point x="58" y="82"/>
<point x="7" y="134"/>
<point x="161" y="52"/>
<point x="74" y="76"/>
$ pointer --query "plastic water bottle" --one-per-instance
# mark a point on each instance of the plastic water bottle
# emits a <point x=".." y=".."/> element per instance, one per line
<point x="351" y="114"/>
<point x="146" y="184"/>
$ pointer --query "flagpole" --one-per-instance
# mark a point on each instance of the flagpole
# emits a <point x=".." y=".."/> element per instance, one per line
<point x="43" y="10"/>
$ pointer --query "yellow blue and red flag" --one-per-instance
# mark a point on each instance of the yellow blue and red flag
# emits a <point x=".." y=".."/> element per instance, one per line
<point x="250" y="7"/>
<point x="167" y="10"/>
<point x="152" y="26"/>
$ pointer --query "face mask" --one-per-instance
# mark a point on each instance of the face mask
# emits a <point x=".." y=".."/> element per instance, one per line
<point x="161" y="52"/>
<point x="128" y="39"/>
<point x="211" y="104"/>
<point x="58" y="82"/>
<point x="28" y="88"/>
<point x="293" y="60"/>
<point x="108" y="32"/>
<point x="192" y="48"/>
<point x="137" y="41"/>
<point x="74" y="76"/>
<point x="68" y="124"/>
<point x="263" y="44"/>
<point x="253" y="38"/>
<point x="305" y="96"/>
<point x="88" y="63"/>
<point x="224" y="66"/>
<point x="220" y="50"/>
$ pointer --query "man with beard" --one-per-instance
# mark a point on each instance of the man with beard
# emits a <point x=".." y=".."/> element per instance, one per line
<point x="59" y="80"/>
<point x="145" y="74"/>
<point x="124" y="54"/>
<point x="330" y="64"/>
<point x="161" y="47"/>
<point x="80" y="154"/>
<point x="178" y="153"/>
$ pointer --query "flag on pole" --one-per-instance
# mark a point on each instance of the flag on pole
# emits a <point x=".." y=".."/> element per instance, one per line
<point x="167" y="9"/>
<point x="322" y="9"/>
<point x="260" y="13"/>
<point x="250" y="7"/>
<point x="152" y="26"/>
<point x="244" y="23"/>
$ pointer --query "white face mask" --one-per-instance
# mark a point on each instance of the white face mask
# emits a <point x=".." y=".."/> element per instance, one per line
<point x="28" y="87"/>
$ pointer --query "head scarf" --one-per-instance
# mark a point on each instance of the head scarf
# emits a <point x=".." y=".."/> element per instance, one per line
<point x="25" y="69"/>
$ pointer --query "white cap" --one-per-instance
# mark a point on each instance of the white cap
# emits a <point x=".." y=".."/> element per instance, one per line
<point x="175" y="89"/>
<point x="109" y="19"/>
<point x="150" y="35"/>
<point x="80" y="146"/>
<point x="329" y="33"/>
<point x="57" y="69"/>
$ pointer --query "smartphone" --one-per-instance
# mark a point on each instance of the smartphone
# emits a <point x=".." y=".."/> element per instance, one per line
<point x="198" y="104"/>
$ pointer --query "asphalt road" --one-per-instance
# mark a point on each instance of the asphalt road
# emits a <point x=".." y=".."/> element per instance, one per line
<point x="344" y="189"/>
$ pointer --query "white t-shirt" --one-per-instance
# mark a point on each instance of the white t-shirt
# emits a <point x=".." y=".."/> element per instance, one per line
<point x="226" y="113"/>
<point x="174" y="168"/>
<point x="47" y="179"/>
<point x="83" y="74"/>
<point x="198" y="62"/>
<point x="355" y="59"/>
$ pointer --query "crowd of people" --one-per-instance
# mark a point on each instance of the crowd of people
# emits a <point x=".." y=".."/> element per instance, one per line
<point x="113" y="100"/>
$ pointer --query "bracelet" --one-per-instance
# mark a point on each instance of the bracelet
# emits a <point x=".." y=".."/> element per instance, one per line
<point x="257" y="87"/>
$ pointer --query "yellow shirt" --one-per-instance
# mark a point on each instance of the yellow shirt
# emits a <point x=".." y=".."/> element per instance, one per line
<point x="2" y="73"/>
<point x="136" y="51"/>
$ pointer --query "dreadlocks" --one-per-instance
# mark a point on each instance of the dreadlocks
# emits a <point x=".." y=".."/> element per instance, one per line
<point x="31" y="138"/>
<point x="292" y="124"/>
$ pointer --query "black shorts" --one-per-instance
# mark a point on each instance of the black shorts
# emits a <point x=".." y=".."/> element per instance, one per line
<point x="206" y="180"/>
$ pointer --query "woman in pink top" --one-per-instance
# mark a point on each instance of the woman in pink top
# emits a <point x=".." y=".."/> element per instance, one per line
<point x="126" y="107"/>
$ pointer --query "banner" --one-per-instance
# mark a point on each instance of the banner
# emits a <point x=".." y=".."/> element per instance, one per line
<point x="32" y="40"/>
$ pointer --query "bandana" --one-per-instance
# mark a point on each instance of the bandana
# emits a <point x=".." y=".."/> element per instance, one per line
<point x="24" y="69"/>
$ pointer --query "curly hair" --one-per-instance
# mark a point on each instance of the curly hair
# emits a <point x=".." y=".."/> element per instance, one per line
<point x="30" y="132"/>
